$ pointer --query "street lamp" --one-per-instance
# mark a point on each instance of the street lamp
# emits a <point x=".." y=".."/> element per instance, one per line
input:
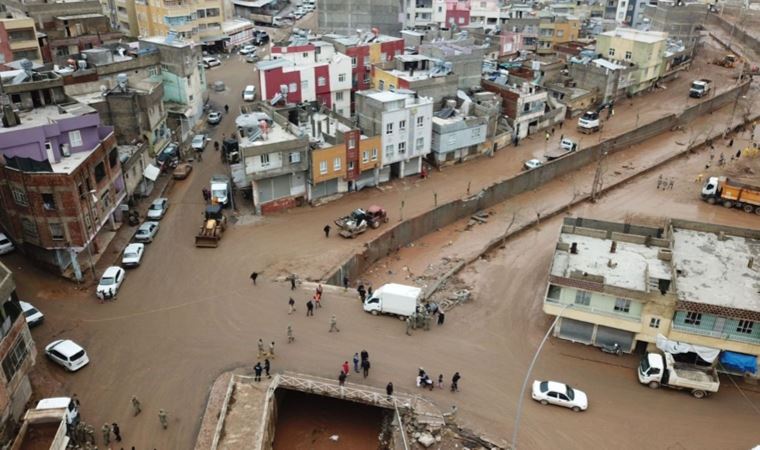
<point x="527" y="376"/>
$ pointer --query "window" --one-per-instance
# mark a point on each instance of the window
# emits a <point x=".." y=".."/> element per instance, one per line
<point x="56" y="231"/>
<point x="29" y="229"/>
<point x="622" y="305"/>
<point x="75" y="138"/>
<point x="420" y="143"/>
<point x="365" y="156"/>
<point x="341" y="77"/>
<point x="693" y="318"/>
<point x="321" y="81"/>
<point x="401" y="148"/>
<point x="322" y="167"/>
<point x="48" y="201"/>
<point x="628" y="55"/>
<point x="745" y="326"/>
<point x="295" y="157"/>
<point x="402" y="126"/>
<point x="19" y="197"/>
<point x="304" y="85"/>
<point x="106" y="199"/>
<point x="100" y="171"/>
<point x="389" y="128"/>
<point x="292" y="87"/>
<point x="15" y="358"/>
<point x="381" y="85"/>
<point x="264" y="159"/>
<point x="611" y="51"/>
<point x="582" y="298"/>
<point x="389" y="151"/>
<point x="305" y="55"/>
<point x="383" y="57"/>
<point x="391" y="87"/>
<point x="338" y="96"/>
<point x="654" y="322"/>
<point x="351" y="142"/>
<point x="353" y="61"/>
<point x="350" y="166"/>
<point x="374" y="154"/>
<point x="336" y="163"/>
<point x="113" y="158"/>
<point x="420" y="121"/>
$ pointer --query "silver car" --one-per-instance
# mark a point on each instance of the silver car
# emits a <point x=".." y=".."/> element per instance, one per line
<point x="158" y="208"/>
<point x="147" y="232"/>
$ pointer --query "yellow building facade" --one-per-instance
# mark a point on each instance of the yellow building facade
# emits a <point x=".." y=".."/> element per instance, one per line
<point x="198" y="20"/>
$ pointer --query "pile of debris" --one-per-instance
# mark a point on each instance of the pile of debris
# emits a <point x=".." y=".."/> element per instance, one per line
<point x="478" y="218"/>
<point x="448" y="436"/>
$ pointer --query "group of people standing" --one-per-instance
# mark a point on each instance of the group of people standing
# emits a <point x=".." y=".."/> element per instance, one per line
<point x="360" y="360"/>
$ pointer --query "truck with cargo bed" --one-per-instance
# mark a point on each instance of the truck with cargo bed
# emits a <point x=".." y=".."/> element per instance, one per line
<point x="394" y="299"/>
<point x="46" y="426"/>
<point x="657" y="370"/>
<point x="700" y="88"/>
<point x="732" y="194"/>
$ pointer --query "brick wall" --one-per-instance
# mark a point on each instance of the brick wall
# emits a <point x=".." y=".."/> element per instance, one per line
<point x="280" y="204"/>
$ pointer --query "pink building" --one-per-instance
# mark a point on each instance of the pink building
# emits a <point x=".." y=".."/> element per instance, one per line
<point x="457" y="12"/>
<point x="510" y="43"/>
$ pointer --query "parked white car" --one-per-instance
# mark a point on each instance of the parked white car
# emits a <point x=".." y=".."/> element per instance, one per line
<point x="158" y="208"/>
<point x="532" y="164"/>
<point x="560" y="394"/>
<point x="248" y="49"/>
<point x="68" y="354"/>
<point x="6" y="246"/>
<point x="249" y="93"/>
<point x="32" y="315"/>
<point x="146" y="232"/>
<point x="211" y="61"/>
<point x="133" y="255"/>
<point x="110" y="282"/>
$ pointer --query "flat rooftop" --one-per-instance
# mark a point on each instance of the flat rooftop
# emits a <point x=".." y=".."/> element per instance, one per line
<point x="715" y="272"/>
<point x="631" y="262"/>
<point x="165" y="40"/>
<point x="275" y="133"/>
<point x="648" y="37"/>
<point x="47" y="114"/>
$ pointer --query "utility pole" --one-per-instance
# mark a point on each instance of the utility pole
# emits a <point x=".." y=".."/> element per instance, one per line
<point x="596" y="187"/>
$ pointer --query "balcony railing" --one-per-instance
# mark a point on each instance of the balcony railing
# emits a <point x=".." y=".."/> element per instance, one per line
<point x="597" y="311"/>
<point x="715" y="334"/>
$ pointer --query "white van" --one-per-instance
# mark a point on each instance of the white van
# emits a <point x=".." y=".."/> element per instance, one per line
<point x="63" y="403"/>
<point x="395" y="299"/>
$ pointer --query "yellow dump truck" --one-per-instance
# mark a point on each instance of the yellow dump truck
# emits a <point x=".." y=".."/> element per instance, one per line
<point x="213" y="227"/>
<point x="732" y="194"/>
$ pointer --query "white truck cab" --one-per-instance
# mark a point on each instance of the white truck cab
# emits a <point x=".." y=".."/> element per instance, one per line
<point x="657" y="370"/>
<point x="220" y="189"/>
<point x="589" y="122"/>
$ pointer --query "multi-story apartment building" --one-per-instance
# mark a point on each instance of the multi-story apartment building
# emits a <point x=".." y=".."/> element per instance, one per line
<point x="439" y="13"/>
<point x="428" y="77"/>
<point x="274" y="159"/>
<point x="61" y="181"/>
<point x="486" y="12"/>
<point x="643" y="51"/>
<point x="17" y="354"/>
<point x="335" y="165"/>
<point x="631" y="12"/>
<point x="404" y="123"/>
<point x="523" y="103"/>
<point x="339" y="16"/>
<point x="553" y="30"/>
<point x="69" y="26"/>
<point x="123" y="15"/>
<point x="457" y="137"/>
<point x="689" y="282"/>
<point x="527" y="28"/>
<point x="184" y="82"/>
<point x="681" y="21"/>
<point x="18" y="40"/>
<point x="196" y="20"/>
<point x="364" y="51"/>
<point x="303" y="73"/>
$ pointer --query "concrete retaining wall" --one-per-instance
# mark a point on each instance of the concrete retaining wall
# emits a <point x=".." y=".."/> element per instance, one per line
<point x="417" y="227"/>
<point x="739" y="35"/>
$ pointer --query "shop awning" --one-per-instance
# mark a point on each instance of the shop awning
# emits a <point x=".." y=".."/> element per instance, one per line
<point x="709" y="354"/>
<point x="151" y="172"/>
<point x="739" y="362"/>
<point x="215" y="38"/>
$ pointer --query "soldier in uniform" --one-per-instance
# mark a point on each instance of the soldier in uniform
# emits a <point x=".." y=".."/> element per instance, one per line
<point x="106" y="430"/>
<point x="163" y="418"/>
<point x="261" y="348"/>
<point x="271" y="349"/>
<point x="334" y="324"/>
<point x="136" y="407"/>
<point x="290" y="334"/>
<point x="90" y="431"/>
<point x="409" y="326"/>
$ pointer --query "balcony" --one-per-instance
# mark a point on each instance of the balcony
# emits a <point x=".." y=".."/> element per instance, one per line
<point x="736" y="337"/>
<point x="23" y="45"/>
<point x="593" y="310"/>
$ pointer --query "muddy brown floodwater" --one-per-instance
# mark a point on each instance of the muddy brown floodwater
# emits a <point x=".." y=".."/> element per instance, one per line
<point x="306" y="422"/>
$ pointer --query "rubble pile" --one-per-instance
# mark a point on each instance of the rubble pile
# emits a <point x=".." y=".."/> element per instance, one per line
<point x="447" y="437"/>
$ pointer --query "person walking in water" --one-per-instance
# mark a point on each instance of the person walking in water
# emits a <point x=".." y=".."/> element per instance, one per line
<point x="291" y="305"/>
<point x="327" y="229"/>
<point x="162" y="417"/>
<point x="254" y="275"/>
<point x="291" y="338"/>
<point x="455" y="382"/>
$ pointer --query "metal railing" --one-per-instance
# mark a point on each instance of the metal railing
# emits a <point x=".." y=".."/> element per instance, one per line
<point x="715" y="334"/>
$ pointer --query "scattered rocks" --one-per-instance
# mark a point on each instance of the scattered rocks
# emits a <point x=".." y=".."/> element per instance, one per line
<point x="427" y="439"/>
